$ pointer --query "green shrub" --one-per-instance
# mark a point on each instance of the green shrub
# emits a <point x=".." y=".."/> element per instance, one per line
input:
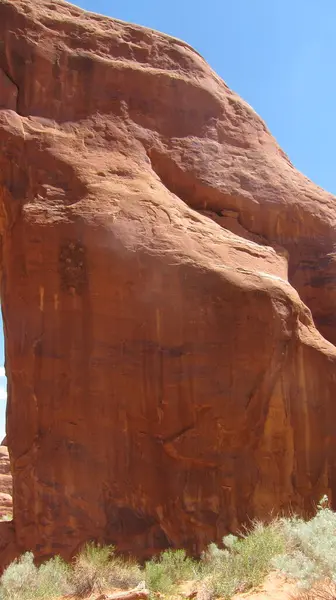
<point x="172" y="567"/>
<point x="244" y="562"/>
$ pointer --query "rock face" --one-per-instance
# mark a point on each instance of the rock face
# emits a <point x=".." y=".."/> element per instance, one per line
<point x="167" y="278"/>
<point x="5" y="485"/>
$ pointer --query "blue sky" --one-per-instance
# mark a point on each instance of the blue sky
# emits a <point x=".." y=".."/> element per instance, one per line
<point x="279" y="55"/>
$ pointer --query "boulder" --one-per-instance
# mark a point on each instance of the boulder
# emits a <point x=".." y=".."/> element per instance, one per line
<point x="168" y="294"/>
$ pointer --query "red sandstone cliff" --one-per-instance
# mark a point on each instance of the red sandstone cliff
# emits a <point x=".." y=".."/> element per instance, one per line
<point x="166" y="275"/>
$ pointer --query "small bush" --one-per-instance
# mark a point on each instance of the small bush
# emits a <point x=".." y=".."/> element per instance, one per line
<point x="53" y="579"/>
<point x="98" y="568"/>
<point x="19" y="579"/>
<point x="310" y="555"/>
<point x="244" y="562"/>
<point x="168" y="570"/>
<point x="22" y="580"/>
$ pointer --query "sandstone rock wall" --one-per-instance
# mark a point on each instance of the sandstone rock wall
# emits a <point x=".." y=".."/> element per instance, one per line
<point x="166" y="280"/>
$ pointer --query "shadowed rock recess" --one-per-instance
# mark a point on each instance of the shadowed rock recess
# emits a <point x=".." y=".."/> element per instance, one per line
<point x="168" y="286"/>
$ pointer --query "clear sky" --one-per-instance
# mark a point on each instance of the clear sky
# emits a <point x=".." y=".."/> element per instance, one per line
<point x="279" y="55"/>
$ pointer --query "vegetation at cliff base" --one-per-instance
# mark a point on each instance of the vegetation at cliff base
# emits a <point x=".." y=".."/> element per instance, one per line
<point x="302" y="551"/>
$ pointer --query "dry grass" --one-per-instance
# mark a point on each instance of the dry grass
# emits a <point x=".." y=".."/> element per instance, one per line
<point x="97" y="569"/>
<point x="321" y="591"/>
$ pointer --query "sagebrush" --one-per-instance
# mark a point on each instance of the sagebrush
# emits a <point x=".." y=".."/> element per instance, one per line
<point x="22" y="580"/>
<point x="310" y="555"/>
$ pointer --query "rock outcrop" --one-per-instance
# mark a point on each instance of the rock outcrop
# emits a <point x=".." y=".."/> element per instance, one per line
<point x="167" y="278"/>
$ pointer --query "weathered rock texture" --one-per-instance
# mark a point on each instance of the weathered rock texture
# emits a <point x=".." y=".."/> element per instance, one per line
<point x="166" y="278"/>
<point x="5" y="485"/>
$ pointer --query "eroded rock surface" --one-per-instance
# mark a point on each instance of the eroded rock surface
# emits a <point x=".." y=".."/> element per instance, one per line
<point x="5" y="485"/>
<point x="166" y="278"/>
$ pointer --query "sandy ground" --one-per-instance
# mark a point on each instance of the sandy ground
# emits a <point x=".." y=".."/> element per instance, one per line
<point x="274" y="588"/>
